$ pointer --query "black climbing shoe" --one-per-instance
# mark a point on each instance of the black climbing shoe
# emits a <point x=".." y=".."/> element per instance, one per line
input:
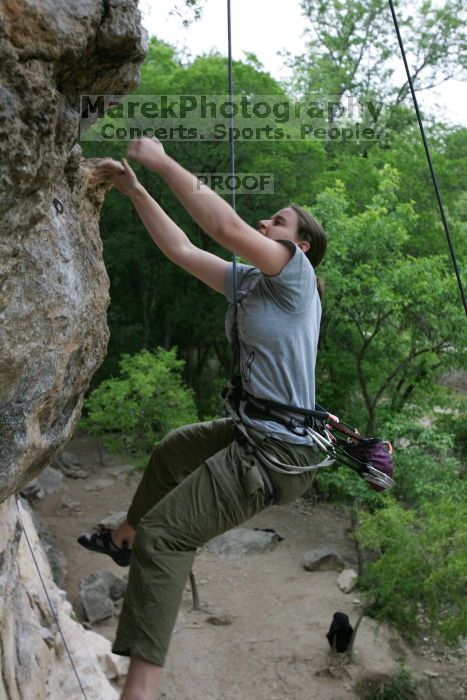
<point x="102" y="542"/>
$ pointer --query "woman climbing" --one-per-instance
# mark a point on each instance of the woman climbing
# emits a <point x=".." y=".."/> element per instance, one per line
<point x="206" y="478"/>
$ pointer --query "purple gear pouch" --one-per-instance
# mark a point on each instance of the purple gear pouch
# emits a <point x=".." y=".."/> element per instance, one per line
<point x="375" y="452"/>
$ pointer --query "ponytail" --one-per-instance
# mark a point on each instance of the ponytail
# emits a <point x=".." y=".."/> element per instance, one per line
<point x="309" y="229"/>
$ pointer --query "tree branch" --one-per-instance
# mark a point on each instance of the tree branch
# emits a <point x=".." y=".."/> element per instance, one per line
<point x="404" y="363"/>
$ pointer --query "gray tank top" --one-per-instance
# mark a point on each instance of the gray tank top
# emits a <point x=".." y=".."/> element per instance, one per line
<point x="278" y="326"/>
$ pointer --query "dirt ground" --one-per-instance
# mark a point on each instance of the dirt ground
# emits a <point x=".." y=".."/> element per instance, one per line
<point x="275" y="647"/>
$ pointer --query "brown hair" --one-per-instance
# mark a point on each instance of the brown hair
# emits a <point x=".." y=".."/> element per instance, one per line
<point x="309" y="229"/>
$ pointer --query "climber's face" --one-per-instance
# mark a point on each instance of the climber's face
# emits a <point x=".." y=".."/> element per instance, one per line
<point x="283" y="225"/>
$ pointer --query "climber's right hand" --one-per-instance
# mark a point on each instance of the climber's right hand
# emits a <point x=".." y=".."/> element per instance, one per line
<point x="148" y="152"/>
<point x="120" y="175"/>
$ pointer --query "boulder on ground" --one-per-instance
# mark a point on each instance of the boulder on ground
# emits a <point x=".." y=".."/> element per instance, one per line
<point x="100" y="594"/>
<point x="242" y="541"/>
<point x="99" y="485"/>
<point x="70" y="459"/>
<point x="48" y="482"/>
<point x="347" y="580"/>
<point x="323" y="559"/>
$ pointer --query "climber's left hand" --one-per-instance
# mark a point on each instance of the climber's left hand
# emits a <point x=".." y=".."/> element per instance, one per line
<point x="118" y="174"/>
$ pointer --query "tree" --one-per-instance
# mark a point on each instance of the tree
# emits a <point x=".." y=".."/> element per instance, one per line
<point x="390" y="318"/>
<point x="135" y="410"/>
<point x="348" y="44"/>
<point x="352" y="45"/>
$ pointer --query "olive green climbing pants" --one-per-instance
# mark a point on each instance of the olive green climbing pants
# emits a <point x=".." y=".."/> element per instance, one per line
<point x="199" y="482"/>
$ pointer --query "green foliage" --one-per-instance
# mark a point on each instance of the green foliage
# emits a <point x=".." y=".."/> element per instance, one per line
<point x="340" y="484"/>
<point x="458" y="426"/>
<point x="399" y="686"/>
<point x="136" y="409"/>
<point x="341" y="33"/>
<point x="352" y="45"/>
<point x="420" y="577"/>
<point x="453" y="419"/>
<point x="425" y="464"/>
<point x="389" y="316"/>
<point x="422" y="475"/>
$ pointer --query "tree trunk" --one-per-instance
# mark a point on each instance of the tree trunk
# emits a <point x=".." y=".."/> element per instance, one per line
<point x="371" y="422"/>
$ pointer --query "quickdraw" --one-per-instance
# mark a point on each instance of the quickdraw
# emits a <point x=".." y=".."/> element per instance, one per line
<point x="370" y="458"/>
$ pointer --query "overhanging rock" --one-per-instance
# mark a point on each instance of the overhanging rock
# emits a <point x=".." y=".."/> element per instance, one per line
<point x="53" y="284"/>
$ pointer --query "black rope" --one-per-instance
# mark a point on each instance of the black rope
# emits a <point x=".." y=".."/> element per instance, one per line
<point x="427" y="152"/>
<point x="234" y="331"/>
<point x="55" y="616"/>
<point x="231" y="135"/>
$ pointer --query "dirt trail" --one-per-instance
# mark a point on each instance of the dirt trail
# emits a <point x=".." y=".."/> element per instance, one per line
<point x="280" y="613"/>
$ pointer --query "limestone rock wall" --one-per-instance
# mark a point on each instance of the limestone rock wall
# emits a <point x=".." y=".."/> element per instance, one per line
<point x="33" y="659"/>
<point x="53" y="284"/>
<point x="54" y="294"/>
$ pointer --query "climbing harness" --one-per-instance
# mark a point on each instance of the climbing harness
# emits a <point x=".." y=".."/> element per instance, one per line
<point x="369" y="457"/>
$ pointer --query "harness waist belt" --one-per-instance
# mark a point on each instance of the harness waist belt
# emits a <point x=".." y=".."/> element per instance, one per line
<point x="290" y="416"/>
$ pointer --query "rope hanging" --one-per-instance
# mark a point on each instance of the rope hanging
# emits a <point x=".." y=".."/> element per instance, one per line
<point x="430" y="164"/>
<point x="234" y="330"/>
<point x="54" y="614"/>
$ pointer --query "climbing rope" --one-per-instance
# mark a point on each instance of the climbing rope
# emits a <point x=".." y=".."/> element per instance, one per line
<point x="54" y="614"/>
<point x="234" y="331"/>
<point x="430" y="164"/>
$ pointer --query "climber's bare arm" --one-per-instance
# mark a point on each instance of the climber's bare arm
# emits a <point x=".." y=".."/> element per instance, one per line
<point x="171" y="240"/>
<point x="215" y="216"/>
<point x="175" y="244"/>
